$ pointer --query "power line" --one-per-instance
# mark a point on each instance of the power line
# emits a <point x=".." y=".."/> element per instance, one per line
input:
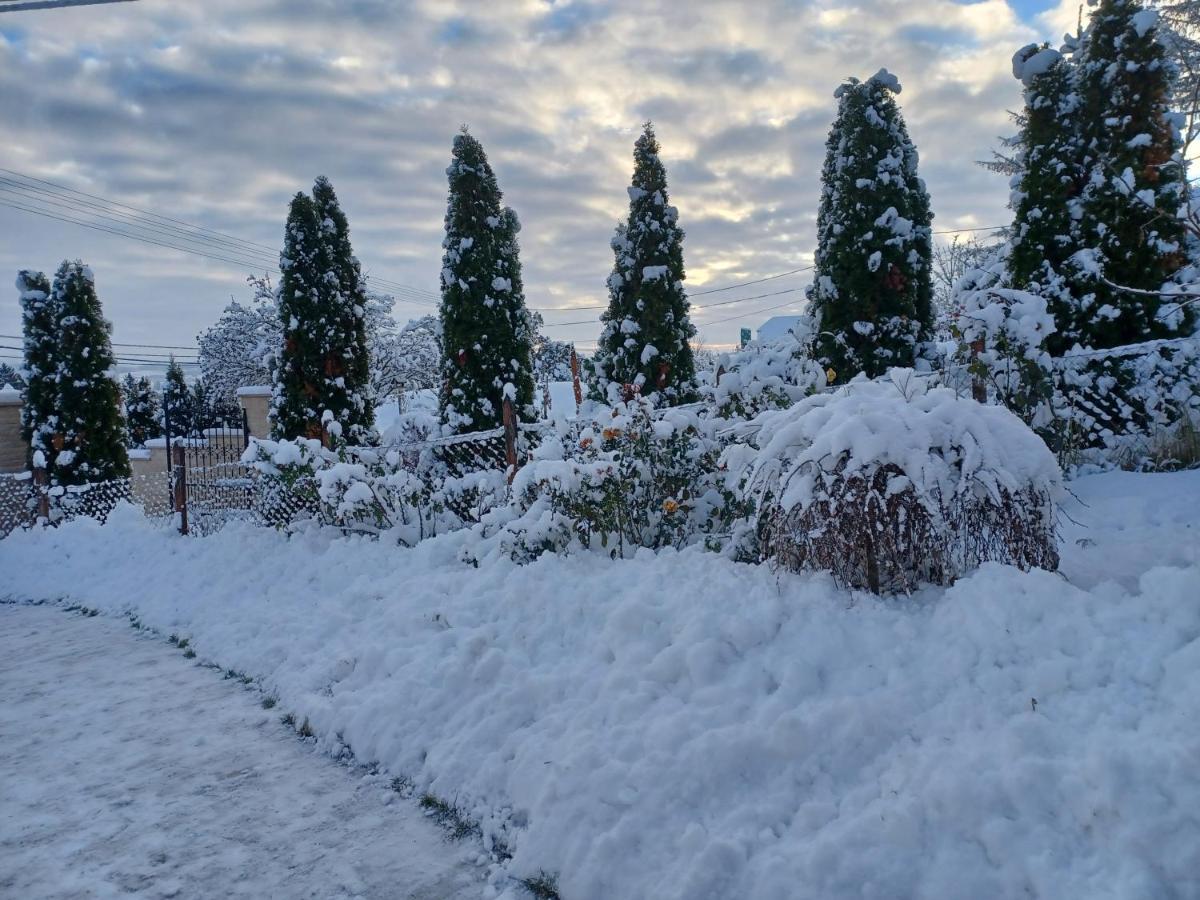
<point x="163" y="230"/>
<point x="126" y="360"/>
<point x="15" y="337"/>
<point x="746" y="315"/>
<point x="29" y="5"/>
<point x="730" y="287"/>
<point x="965" y="230"/>
<point x="697" y="306"/>
<point x="105" y="206"/>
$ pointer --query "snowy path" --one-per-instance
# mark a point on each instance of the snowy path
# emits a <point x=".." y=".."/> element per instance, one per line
<point x="127" y="771"/>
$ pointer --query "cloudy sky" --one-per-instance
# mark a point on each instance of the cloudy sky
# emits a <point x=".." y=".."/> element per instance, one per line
<point x="216" y="112"/>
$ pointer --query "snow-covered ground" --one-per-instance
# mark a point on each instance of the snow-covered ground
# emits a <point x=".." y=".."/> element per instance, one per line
<point x="679" y="726"/>
<point x="127" y="771"/>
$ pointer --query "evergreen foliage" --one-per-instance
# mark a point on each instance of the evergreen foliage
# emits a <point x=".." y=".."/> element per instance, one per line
<point x="10" y="377"/>
<point x="39" y="323"/>
<point x="212" y="410"/>
<point x="299" y="371"/>
<point x="142" y="412"/>
<point x="1046" y="195"/>
<point x="1134" y="180"/>
<point x="322" y="379"/>
<point x="90" y="438"/>
<point x="177" y="406"/>
<point x="486" y="333"/>
<point x="346" y="388"/>
<point x="646" y="339"/>
<point x="872" y="288"/>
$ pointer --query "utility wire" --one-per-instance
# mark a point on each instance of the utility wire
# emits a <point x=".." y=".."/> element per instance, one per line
<point x="747" y="314"/>
<point x="121" y="359"/>
<point x="697" y="306"/>
<point x="29" y="5"/>
<point x="164" y="230"/>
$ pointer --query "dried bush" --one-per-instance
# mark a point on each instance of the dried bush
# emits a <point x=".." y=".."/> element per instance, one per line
<point x="873" y="535"/>
<point x="888" y="485"/>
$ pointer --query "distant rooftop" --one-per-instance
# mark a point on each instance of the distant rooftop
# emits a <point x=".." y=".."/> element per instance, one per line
<point x="776" y="327"/>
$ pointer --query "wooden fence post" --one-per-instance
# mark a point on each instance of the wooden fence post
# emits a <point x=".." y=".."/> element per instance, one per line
<point x="510" y="438"/>
<point x="43" y="494"/>
<point x="978" y="385"/>
<point x="575" y="378"/>
<point x="180" y="471"/>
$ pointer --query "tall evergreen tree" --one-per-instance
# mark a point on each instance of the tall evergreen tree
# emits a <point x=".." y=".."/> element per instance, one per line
<point x="299" y="369"/>
<point x="322" y="375"/>
<point x="1046" y="197"/>
<point x="486" y="334"/>
<point x="177" y="408"/>
<point x="90" y="438"/>
<point x="142" y="411"/>
<point x="39" y="322"/>
<point x="872" y="289"/>
<point x="346" y="387"/>
<point x="9" y="377"/>
<point x="646" y="339"/>
<point x="1134" y="180"/>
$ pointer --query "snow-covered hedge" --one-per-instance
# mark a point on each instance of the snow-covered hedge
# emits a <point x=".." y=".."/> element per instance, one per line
<point x="891" y="484"/>
<point x="765" y="375"/>
<point x="630" y="478"/>
<point x="1123" y="406"/>
<point x="405" y="495"/>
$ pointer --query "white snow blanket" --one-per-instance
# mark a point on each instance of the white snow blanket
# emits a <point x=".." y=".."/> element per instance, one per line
<point x="128" y="771"/>
<point x="681" y="727"/>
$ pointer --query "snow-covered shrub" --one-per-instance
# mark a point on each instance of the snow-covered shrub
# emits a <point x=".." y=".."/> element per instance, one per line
<point x="630" y="479"/>
<point x="1127" y="406"/>
<point x="404" y="492"/>
<point x="1003" y="334"/>
<point x="890" y="484"/>
<point x="286" y="487"/>
<point x="762" y="376"/>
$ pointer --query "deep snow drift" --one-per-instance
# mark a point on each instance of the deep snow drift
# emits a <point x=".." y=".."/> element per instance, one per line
<point x="678" y="726"/>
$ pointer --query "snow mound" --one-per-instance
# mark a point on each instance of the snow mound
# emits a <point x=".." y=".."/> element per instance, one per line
<point x="680" y="727"/>
<point x="1143" y="20"/>
<point x="886" y="79"/>
<point x="1031" y="61"/>
<point x="944" y="443"/>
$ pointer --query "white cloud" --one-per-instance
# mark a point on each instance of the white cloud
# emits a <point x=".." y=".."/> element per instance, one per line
<point x="217" y="112"/>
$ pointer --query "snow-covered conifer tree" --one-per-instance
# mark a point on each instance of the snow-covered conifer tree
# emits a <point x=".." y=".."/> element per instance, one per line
<point x="9" y="377"/>
<point x="1133" y="183"/>
<point x="90" y="436"/>
<point x="322" y="378"/>
<point x="871" y="289"/>
<point x="299" y="370"/>
<point x="346" y="401"/>
<point x="177" y="407"/>
<point x="1046" y="195"/>
<point x="142" y="411"/>
<point x="486" y="337"/>
<point x="646" y="339"/>
<point x="39" y="321"/>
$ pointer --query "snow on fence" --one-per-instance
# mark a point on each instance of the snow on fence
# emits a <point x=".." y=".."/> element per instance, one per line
<point x="25" y="499"/>
<point x="1115" y="405"/>
<point x="1107" y="406"/>
<point x="279" y="483"/>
